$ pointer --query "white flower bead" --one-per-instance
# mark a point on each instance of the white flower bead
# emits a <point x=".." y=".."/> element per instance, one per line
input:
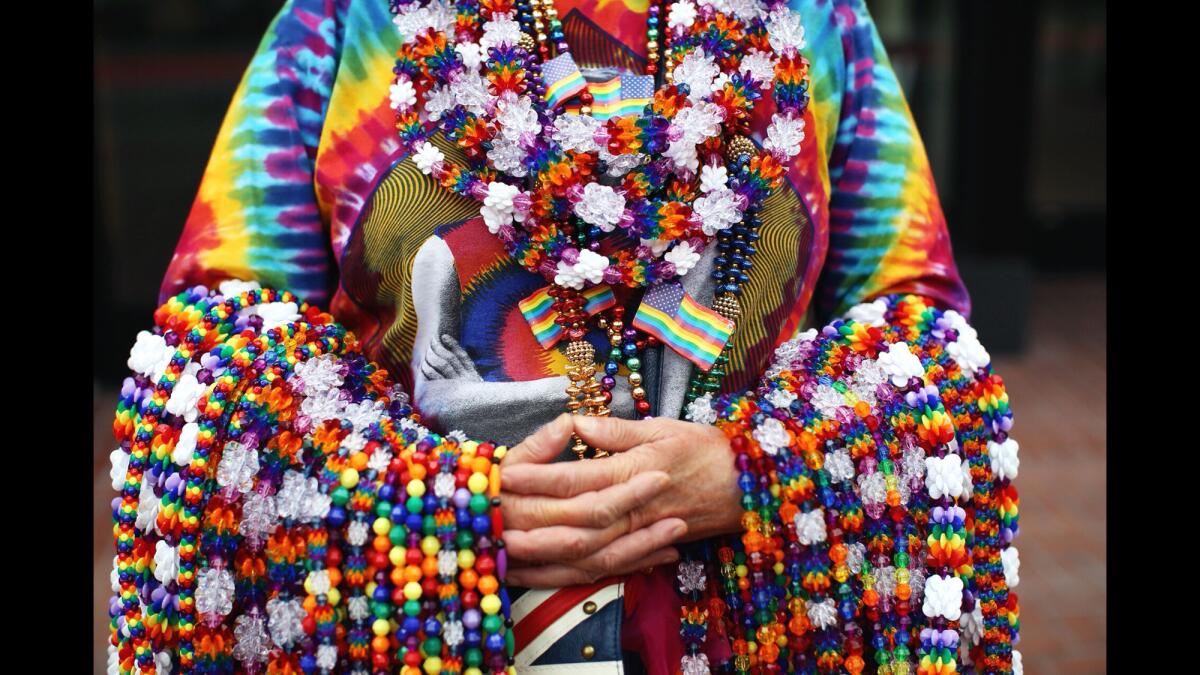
<point x="656" y="246"/>
<point x="969" y="354"/>
<point x="839" y="465"/>
<point x="810" y="526"/>
<point x="235" y="287"/>
<point x="822" y="614"/>
<point x="971" y="625"/>
<point x="148" y="504"/>
<point x="781" y="398"/>
<point x="402" y="95"/>
<point x="358" y="608"/>
<point x="697" y="70"/>
<point x="1004" y="458"/>
<point x="427" y="154"/>
<point x="443" y="485"/>
<point x="943" y="597"/>
<point x="162" y="663"/>
<point x="114" y="577"/>
<point x="784" y="30"/>
<point x="589" y="267"/>
<point x="148" y="353"/>
<point x="760" y="66"/>
<point x="453" y="633"/>
<point x="214" y="591"/>
<point x="120" y="464"/>
<point x="185" y="445"/>
<point x="356" y="533"/>
<point x="447" y="563"/>
<point x="683" y="14"/>
<point x="683" y="257"/>
<point x="900" y="364"/>
<point x="869" y="313"/>
<point x="285" y="617"/>
<point x="317" y="582"/>
<point x="1011" y="560"/>
<point x="713" y="178"/>
<point x="718" y="210"/>
<point x="701" y="411"/>
<point x="771" y="436"/>
<point x="500" y="30"/>
<point x="380" y="459"/>
<point x="601" y="206"/>
<point x="1018" y="668"/>
<point x="470" y="53"/>
<point x="186" y="394"/>
<point x="275" y="314"/>
<point x="784" y="134"/>
<point x="943" y="476"/>
<point x="239" y="465"/>
<point x="959" y="323"/>
<point x="327" y="657"/>
<point x="695" y="664"/>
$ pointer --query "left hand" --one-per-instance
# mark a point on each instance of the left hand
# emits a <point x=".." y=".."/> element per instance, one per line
<point x="701" y="487"/>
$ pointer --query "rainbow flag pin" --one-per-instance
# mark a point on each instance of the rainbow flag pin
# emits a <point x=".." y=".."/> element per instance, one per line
<point x="694" y="331"/>
<point x="538" y="310"/>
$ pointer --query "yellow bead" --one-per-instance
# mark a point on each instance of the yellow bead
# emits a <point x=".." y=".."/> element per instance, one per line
<point x="430" y="545"/>
<point x="433" y="665"/>
<point x="490" y="604"/>
<point x="381" y="526"/>
<point x="349" y="477"/>
<point x="334" y="596"/>
<point x="472" y="671"/>
<point x="396" y="556"/>
<point x="466" y="559"/>
<point x="412" y="590"/>
<point x="500" y="453"/>
<point x="742" y="570"/>
<point x="416" y="488"/>
<point x="381" y="627"/>
<point x="477" y="483"/>
<point x="778" y="568"/>
<point x="469" y="448"/>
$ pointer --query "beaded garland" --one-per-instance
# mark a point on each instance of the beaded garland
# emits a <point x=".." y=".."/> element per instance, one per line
<point x="258" y="450"/>
<point x="868" y="417"/>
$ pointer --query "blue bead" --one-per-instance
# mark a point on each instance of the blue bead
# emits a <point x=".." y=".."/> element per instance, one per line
<point x="381" y="593"/>
<point x="411" y="624"/>
<point x="413" y="522"/>
<point x="387" y="492"/>
<point x="432" y="626"/>
<point x="473" y="637"/>
<point x="398" y="513"/>
<point x="481" y="524"/>
<point x="336" y="517"/>
<point x="495" y="642"/>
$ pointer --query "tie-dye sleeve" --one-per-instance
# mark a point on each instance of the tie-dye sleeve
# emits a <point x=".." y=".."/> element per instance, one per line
<point x="256" y="215"/>
<point x="887" y="233"/>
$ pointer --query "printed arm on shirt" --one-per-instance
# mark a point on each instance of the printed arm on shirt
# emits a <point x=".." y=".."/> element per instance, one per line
<point x="887" y="233"/>
<point x="255" y="216"/>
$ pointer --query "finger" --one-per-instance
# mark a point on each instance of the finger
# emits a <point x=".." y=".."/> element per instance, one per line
<point x="435" y="361"/>
<point x="430" y="373"/>
<point x="637" y="550"/>
<point x="590" y="509"/>
<point x="542" y="445"/>
<point x="451" y="344"/>
<point x="616" y="434"/>
<point x="448" y="357"/>
<point x="560" y="543"/>
<point x="568" y="479"/>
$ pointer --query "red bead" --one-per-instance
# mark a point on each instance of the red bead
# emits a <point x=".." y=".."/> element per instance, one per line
<point x="643" y="407"/>
<point x="413" y="556"/>
<point x="651" y="68"/>
<point x="470" y="599"/>
<point x="333" y="557"/>
<point x="379" y="660"/>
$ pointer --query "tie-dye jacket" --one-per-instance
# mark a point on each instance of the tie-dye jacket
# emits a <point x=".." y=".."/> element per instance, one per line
<point x="308" y="189"/>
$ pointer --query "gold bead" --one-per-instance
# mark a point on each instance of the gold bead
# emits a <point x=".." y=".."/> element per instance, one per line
<point x="581" y="352"/>
<point x="526" y="42"/>
<point x="638" y="393"/>
<point x="653" y="44"/>
<point x="585" y="110"/>
<point x="738" y="145"/>
<point x="727" y="306"/>
<point x="635" y="379"/>
<point x="540" y="36"/>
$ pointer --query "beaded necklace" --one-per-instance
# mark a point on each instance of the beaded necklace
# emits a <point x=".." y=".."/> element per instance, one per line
<point x="629" y="201"/>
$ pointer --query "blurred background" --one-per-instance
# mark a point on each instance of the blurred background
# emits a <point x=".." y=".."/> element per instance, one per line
<point x="1010" y="100"/>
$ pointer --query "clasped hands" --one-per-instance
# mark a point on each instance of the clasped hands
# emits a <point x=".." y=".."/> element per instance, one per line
<point x="667" y="481"/>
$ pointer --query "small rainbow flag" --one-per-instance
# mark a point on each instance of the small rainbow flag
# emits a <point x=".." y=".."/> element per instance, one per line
<point x="563" y="79"/>
<point x="538" y="310"/>
<point x="694" y="331"/>
<point x="619" y="96"/>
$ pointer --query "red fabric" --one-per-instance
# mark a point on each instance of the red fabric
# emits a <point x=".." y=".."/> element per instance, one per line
<point x="651" y="626"/>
